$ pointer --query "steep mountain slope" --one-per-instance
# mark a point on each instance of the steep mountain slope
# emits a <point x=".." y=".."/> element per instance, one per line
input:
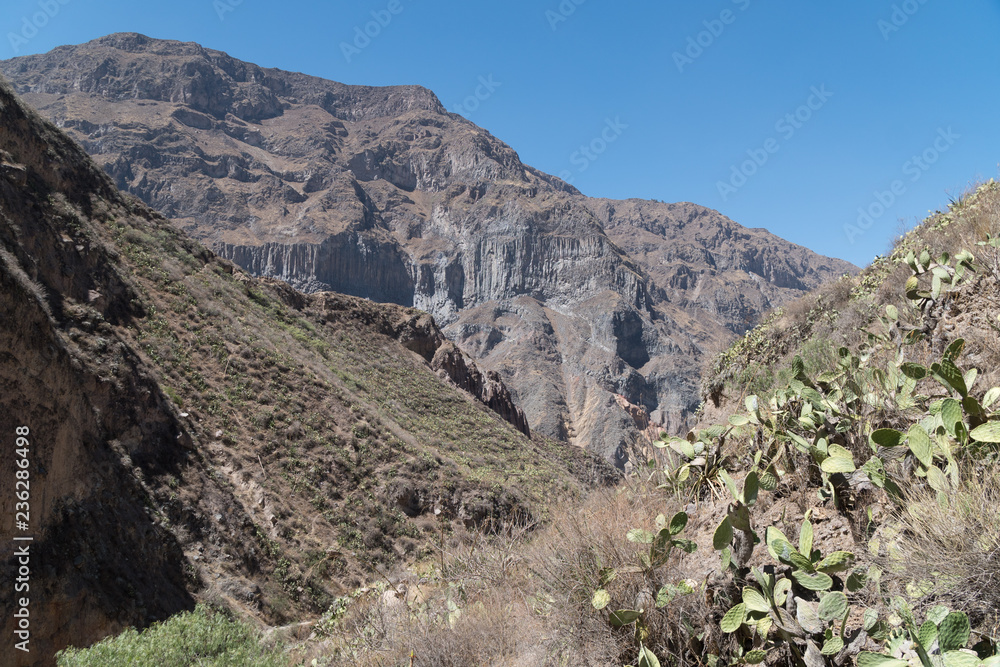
<point x="852" y="311"/>
<point x="845" y="514"/>
<point x="196" y="432"/>
<point x="380" y="193"/>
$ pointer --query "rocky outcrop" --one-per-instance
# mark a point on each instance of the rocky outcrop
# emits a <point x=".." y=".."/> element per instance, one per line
<point x="345" y="263"/>
<point x="487" y="387"/>
<point x="98" y="562"/>
<point x="417" y="332"/>
<point x="380" y="193"/>
<point x="696" y="258"/>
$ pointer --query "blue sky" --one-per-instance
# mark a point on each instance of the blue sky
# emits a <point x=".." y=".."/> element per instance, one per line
<point x="795" y="117"/>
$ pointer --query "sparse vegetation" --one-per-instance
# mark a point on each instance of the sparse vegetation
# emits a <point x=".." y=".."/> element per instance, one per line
<point x="346" y="421"/>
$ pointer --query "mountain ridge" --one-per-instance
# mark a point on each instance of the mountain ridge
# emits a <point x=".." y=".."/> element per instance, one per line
<point x="382" y="193"/>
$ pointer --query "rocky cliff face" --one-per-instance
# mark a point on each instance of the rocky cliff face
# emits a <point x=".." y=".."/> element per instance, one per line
<point x="95" y="418"/>
<point x="700" y="260"/>
<point x="380" y="193"/>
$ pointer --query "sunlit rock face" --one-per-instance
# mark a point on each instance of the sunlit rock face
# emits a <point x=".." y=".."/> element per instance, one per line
<point x="381" y="193"/>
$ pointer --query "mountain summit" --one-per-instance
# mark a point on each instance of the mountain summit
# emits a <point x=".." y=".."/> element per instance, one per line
<point x="597" y="314"/>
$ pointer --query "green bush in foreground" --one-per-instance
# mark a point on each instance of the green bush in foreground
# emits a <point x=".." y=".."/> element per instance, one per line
<point x="204" y="637"/>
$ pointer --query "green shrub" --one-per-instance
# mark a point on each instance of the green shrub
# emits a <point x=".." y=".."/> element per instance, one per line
<point x="205" y="637"/>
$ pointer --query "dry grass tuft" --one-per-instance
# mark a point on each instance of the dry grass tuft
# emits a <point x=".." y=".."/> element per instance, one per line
<point x="953" y="548"/>
<point x="523" y="598"/>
